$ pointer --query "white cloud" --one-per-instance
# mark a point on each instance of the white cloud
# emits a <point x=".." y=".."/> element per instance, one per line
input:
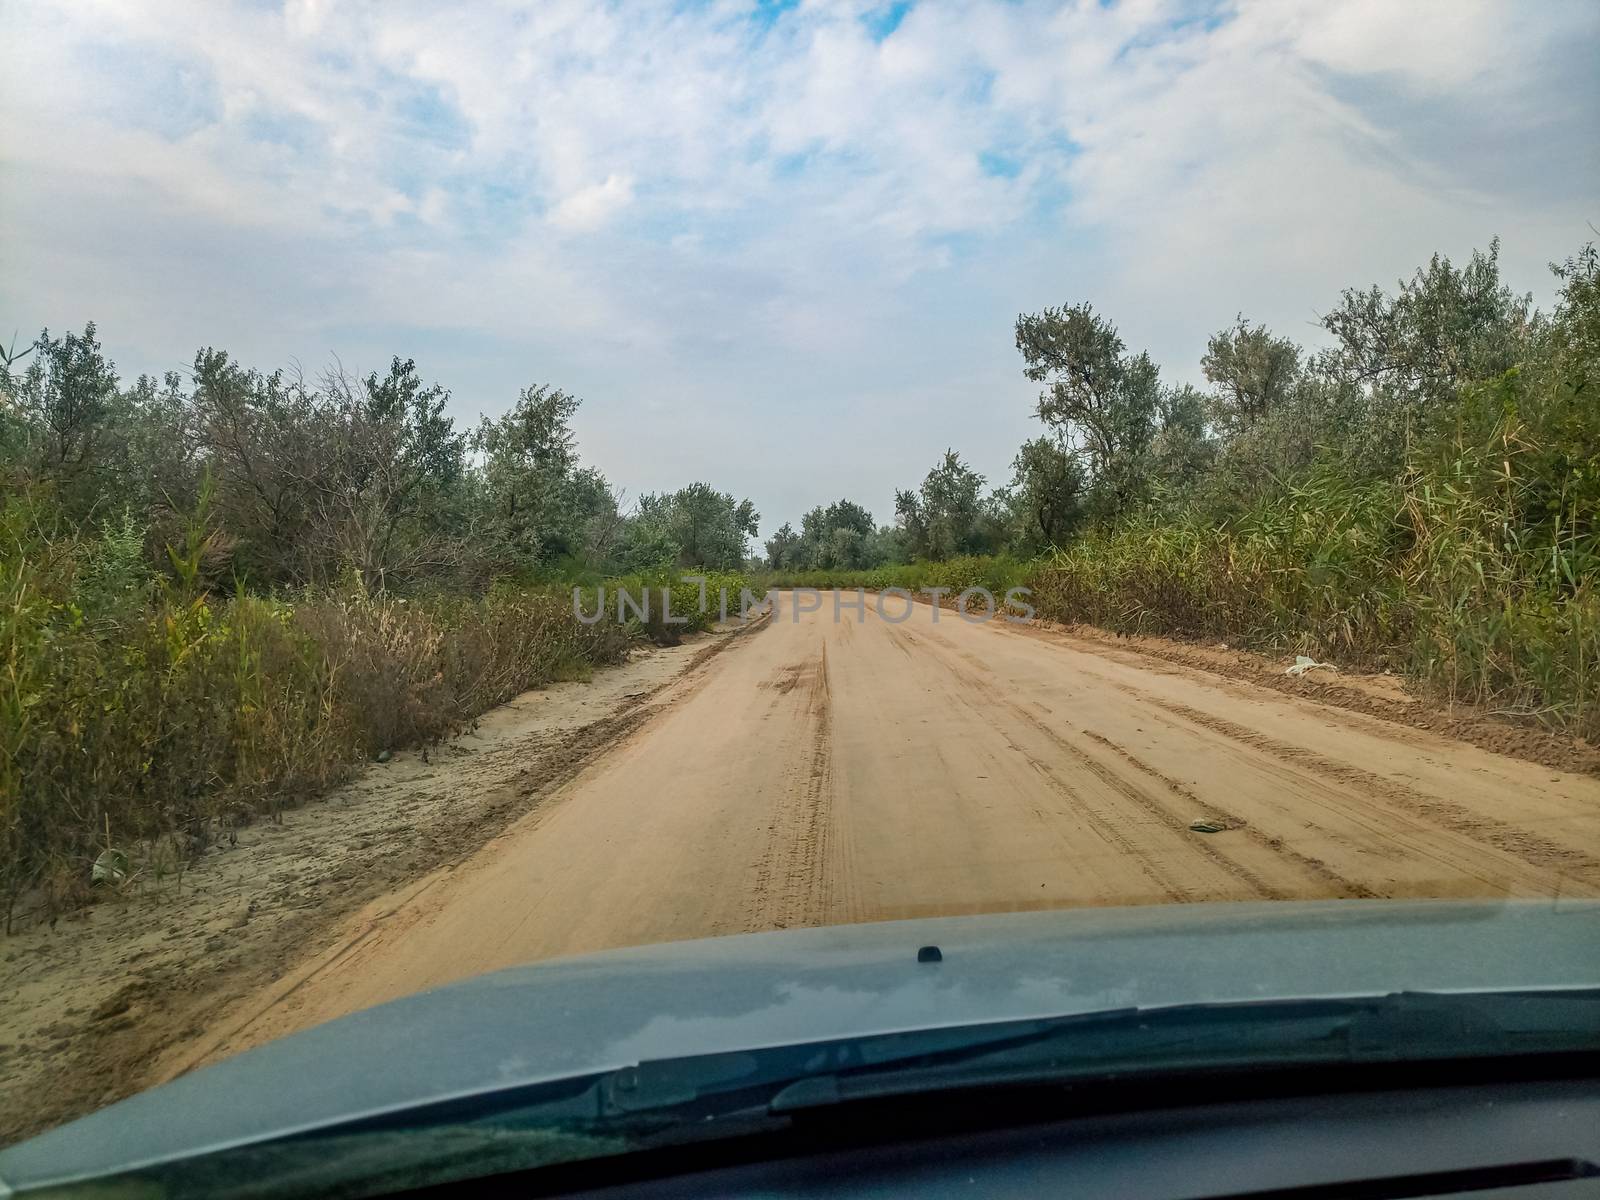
<point x="589" y="208"/>
<point x="693" y="211"/>
<point x="305" y="18"/>
<point x="1436" y="44"/>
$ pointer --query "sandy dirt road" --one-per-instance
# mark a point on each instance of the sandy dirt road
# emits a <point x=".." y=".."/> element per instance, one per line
<point x="858" y="770"/>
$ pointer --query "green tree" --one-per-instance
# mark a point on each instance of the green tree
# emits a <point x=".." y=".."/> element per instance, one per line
<point x="274" y="448"/>
<point x="1411" y="353"/>
<point x="529" y="461"/>
<point x="163" y="446"/>
<point x="781" y="547"/>
<point x="1182" y="450"/>
<point x="1253" y="373"/>
<point x="708" y="527"/>
<point x="67" y="421"/>
<point x="1099" y="399"/>
<point x="1576" y="327"/>
<point x="839" y="536"/>
<point x="884" y="545"/>
<point x="1046" y="495"/>
<point x="385" y="511"/>
<point x="946" y="516"/>
<point x="645" y="544"/>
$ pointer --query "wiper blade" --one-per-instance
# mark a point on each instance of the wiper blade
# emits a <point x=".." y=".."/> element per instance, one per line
<point x="1400" y="1027"/>
<point x="657" y="1093"/>
<point x="668" y="1102"/>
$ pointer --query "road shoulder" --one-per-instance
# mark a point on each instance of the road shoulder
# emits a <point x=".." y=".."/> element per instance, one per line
<point x="92" y="1004"/>
<point x="1383" y="695"/>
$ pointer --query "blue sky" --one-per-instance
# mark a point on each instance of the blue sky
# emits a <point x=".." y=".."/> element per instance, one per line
<point x="776" y="246"/>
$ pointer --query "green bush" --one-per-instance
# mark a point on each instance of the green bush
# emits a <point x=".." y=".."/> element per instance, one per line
<point x="996" y="573"/>
<point x="1461" y="572"/>
<point x="135" y="713"/>
<point x="658" y="592"/>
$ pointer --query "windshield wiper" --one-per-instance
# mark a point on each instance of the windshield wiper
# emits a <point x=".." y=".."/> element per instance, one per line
<point x="1400" y="1027"/>
<point x="1130" y="1042"/>
<point x="668" y="1102"/>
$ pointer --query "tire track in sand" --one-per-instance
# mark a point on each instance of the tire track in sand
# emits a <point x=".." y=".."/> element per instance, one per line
<point x="791" y="886"/>
<point x="1522" y="844"/>
<point x="1156" y="861"/>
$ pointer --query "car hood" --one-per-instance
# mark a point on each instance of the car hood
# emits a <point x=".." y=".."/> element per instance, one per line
<point x="578" y="1016"/>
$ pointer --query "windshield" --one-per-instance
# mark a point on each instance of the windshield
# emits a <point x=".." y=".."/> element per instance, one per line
<point x="1114" y="486"/>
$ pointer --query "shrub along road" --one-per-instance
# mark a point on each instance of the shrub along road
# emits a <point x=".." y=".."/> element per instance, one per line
<point x="823" y="772"/>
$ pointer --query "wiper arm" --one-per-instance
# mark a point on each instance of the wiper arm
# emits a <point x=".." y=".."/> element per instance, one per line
<point x="657" y="1084"/>
<point x="1130" y="1041"/>
<point x="667" y="1102"/>
<point x="1403" y="1026"/>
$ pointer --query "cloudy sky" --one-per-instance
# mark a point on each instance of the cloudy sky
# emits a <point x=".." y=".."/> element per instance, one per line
<point x="777" y="246"/>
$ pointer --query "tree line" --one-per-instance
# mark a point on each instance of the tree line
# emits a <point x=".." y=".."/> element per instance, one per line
<point x="299" y="481"/>
<point x="1404" y="370"/>
<point x="306" y="480"/>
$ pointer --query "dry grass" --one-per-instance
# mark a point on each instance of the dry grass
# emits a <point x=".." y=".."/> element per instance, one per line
<point x="135" y="712"/>
<point x="1479" y="575"/>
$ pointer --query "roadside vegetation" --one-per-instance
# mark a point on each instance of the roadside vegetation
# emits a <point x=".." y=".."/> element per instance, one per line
<point x="994" y="572"/>
<point x="1421" y="495"/>
<point x="221" y="592"/>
